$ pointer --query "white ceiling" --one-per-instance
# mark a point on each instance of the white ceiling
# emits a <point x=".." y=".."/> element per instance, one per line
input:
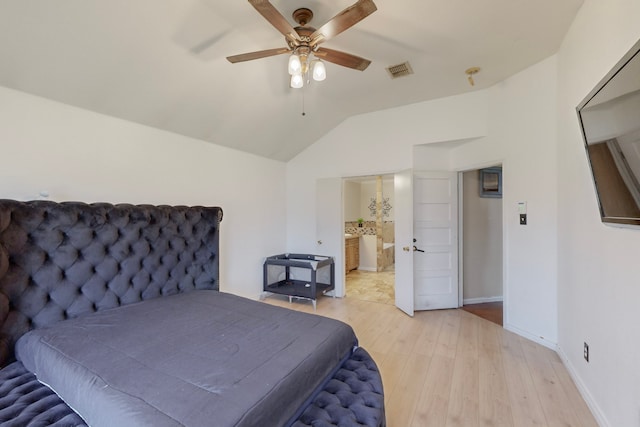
<point x="162" y="62"/>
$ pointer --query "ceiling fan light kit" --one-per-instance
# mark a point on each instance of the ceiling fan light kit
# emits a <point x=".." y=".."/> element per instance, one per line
<point x="297" y="81"/>
<point x="295" y="65"/>
<point x="303" y="41"/>
<point x="319" y="70"/>
<point x="299" y="66"/>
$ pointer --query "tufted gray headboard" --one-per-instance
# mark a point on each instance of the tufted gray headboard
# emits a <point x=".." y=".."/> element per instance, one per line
<point x="62" y="260"/>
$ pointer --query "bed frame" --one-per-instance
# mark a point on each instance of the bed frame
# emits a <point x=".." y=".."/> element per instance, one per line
<point x="64" y="260"/>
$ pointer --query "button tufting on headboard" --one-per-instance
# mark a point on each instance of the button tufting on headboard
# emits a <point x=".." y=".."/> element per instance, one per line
<point x="63" y="260"/>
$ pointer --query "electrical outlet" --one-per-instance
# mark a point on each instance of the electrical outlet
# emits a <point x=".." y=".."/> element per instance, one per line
<point x="586" y="352"/>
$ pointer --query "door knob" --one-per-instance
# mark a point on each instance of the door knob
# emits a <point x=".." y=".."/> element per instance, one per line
<point x="319" y="242"/>
<point x="415" y="249"/>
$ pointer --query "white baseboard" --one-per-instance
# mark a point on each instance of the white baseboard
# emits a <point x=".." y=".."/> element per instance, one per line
<point x="481" y="300"/>
<point x="540" y="340"/>
<point x="590" y="401"/>
<point x="367" y="268"/>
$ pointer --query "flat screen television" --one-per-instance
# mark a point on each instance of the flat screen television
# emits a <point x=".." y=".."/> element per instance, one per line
<point x="610" y="121"/>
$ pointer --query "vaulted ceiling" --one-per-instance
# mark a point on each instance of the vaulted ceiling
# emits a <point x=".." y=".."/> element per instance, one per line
<point x="162" y="63"/>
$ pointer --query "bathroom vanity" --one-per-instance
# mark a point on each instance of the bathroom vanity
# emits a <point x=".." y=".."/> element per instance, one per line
<point x="352" y="252"/>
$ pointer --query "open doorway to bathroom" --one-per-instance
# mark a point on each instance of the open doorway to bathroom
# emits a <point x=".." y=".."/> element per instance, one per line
<point x="482" y="243"/>
<point x="369" y="238"/>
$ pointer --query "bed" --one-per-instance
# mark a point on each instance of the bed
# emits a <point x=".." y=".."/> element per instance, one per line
<point x="115" y="311"/>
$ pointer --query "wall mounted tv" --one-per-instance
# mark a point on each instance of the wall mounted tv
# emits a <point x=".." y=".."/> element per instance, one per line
<point x="610" y="121"/>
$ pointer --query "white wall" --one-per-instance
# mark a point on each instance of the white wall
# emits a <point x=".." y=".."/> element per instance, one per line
<point x="351" y="201"/>
<point x="598" y="280"/>
<point x="482" y="252"/>
<point x="79" y="155"/>
<point x="368" y="191"/>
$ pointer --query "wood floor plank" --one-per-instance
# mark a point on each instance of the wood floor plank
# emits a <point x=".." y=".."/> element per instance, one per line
<point x="489" y="343"/>
<point x="372" y="326"/>
<point x="431" y="322"/>
<point x="468" y="336"/>
<point x="389" y="331"/>
<point x="391" y="368"/>
<point x="494" y="401"/>
<point x="464" y="403"/>
<point x="463" y="399"/>
<point x="405" y="393"/>
<point x="447" y="341"/>
<point x="407" y="335"/>
<point x="526" y="407"/>
<point x="433" y="404"/>
<point x="557" y="407"/>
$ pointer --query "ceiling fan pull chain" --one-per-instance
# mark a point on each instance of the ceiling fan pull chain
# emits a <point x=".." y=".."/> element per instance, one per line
<point x="303" y="113"/>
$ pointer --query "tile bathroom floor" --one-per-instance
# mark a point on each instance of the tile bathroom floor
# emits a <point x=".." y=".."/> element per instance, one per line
<point x="372" y="286"/>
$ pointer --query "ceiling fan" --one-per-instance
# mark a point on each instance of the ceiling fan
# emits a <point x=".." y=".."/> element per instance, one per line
<point x="303" y="41"/>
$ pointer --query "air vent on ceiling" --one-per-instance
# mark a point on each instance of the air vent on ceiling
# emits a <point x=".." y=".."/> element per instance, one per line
<point x="400" y="70"/>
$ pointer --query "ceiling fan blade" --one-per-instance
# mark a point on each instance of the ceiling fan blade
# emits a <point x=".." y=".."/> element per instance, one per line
<point x="275" y="18"/>
<point x="342" y="58"/>
<point x="257" y="55"/>
<point x="344" y="20"/>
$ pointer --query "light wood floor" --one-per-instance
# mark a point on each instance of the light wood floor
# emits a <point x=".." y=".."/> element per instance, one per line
<point x="451" y="368"/>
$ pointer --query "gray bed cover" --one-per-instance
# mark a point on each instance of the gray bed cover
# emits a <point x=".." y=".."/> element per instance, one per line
<point x="202" y="358"/>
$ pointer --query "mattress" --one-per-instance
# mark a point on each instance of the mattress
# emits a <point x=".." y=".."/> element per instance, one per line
<point x="193" y="359"/>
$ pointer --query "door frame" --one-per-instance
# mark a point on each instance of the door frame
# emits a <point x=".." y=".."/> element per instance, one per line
<point x="327" y="239"/>
<point x="461" y="236"/>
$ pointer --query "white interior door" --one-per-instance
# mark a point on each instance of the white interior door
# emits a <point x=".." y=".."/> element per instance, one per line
<point x="330" y="226"/>
<point x="436" y="240"/>
<point x="403" y="196"/>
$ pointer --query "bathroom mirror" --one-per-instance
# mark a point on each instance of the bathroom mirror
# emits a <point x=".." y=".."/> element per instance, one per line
<point x="610" y="121"/>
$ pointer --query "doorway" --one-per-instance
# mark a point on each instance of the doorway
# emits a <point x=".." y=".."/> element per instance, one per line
<point x="482" y="247"/>
<point x="369" y="231"/>
<point x="430" y="205"/>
